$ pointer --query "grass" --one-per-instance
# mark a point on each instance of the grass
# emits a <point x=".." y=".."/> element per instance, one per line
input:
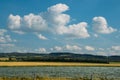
<point x="3" y="64"/>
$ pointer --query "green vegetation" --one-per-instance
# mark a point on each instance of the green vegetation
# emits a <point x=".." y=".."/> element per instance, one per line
<point x="58" y="57"/>
<point x="54" y="57"/>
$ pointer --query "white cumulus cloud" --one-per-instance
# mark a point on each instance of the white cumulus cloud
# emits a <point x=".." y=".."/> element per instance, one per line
<point x="117" y="48"/>
<point x="4" y="37"/>
<point x="40" y="36"/>
<point x="55" y="17"/>
<point x="34" y="22"/>
<point x="58" y="8"/>
<point x="6" y="45"/>
<point x="89" y="48"/>
<point x="73" y="48"/>
<point x="77" y="30"/>
<point x="101" y="49"/>
<point x="100" y="25"/>
<point x="28" y="23"/>
<point x="57" y="48"/>
<point x="54" y="20"/>
<point x="41" y="50"/>
<point x="2" y="31"/>
<point x="95" y="35"/>
<point x="14" y="22"/>
<point x="66" y="48"/>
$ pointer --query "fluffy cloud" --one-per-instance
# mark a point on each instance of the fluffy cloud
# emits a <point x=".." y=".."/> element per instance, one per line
<point x="6" y="45"/>
<point x="4" y="38"/>
<point x="95" y="35"/>
<point x="58" y="8"/>
<point x="100" y="25"/>
<point x="14" y="22"/>
<point x="41" y="50"/>
<point x="2" y="31"/>
<point x="55" y="16"/>
<point x="73" y="48"/>
<point x="40" y="36"/>
<point x="34" y="22"/>
<point x="60" y="22"/>
<point x="19" y="32"/>
<point x="53" y="20"/>
<point x="31" y="22"/>
<point x="89" y="48"/>
<point x="77" y="30"/>
<point x="27" y="23"/>
<point x="116" y="48"/>
<point x="66" y="48"/>
<point x="101" y="49"/>
<point x="6" y="42"/>
<point x="101" y="53"/>
<point x="57" y="48"/>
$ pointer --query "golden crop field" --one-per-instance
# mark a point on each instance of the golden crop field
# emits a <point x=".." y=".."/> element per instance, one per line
<point x="50" y="78"/>
<point x="59" y="64"/>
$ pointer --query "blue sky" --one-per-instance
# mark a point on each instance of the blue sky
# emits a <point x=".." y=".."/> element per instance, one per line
<point x="43" y="26"/>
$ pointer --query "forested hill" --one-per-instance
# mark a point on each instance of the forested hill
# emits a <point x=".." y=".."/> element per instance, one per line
<point x="59" y="57"/>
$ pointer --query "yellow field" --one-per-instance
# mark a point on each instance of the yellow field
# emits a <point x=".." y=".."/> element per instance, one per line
<point x="58" y="64"/>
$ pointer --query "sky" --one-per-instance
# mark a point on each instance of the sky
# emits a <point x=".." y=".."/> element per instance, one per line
<point x="44" y="26"/>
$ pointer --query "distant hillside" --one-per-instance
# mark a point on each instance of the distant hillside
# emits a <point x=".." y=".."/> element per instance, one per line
<point x="19" y="54"/>
<point x="114" y="58"/>
<point x="60" y="57"/>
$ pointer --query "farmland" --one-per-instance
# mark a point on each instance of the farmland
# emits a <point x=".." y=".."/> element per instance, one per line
<point x="58" y="64"/>
<point x="50" y="78"/>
